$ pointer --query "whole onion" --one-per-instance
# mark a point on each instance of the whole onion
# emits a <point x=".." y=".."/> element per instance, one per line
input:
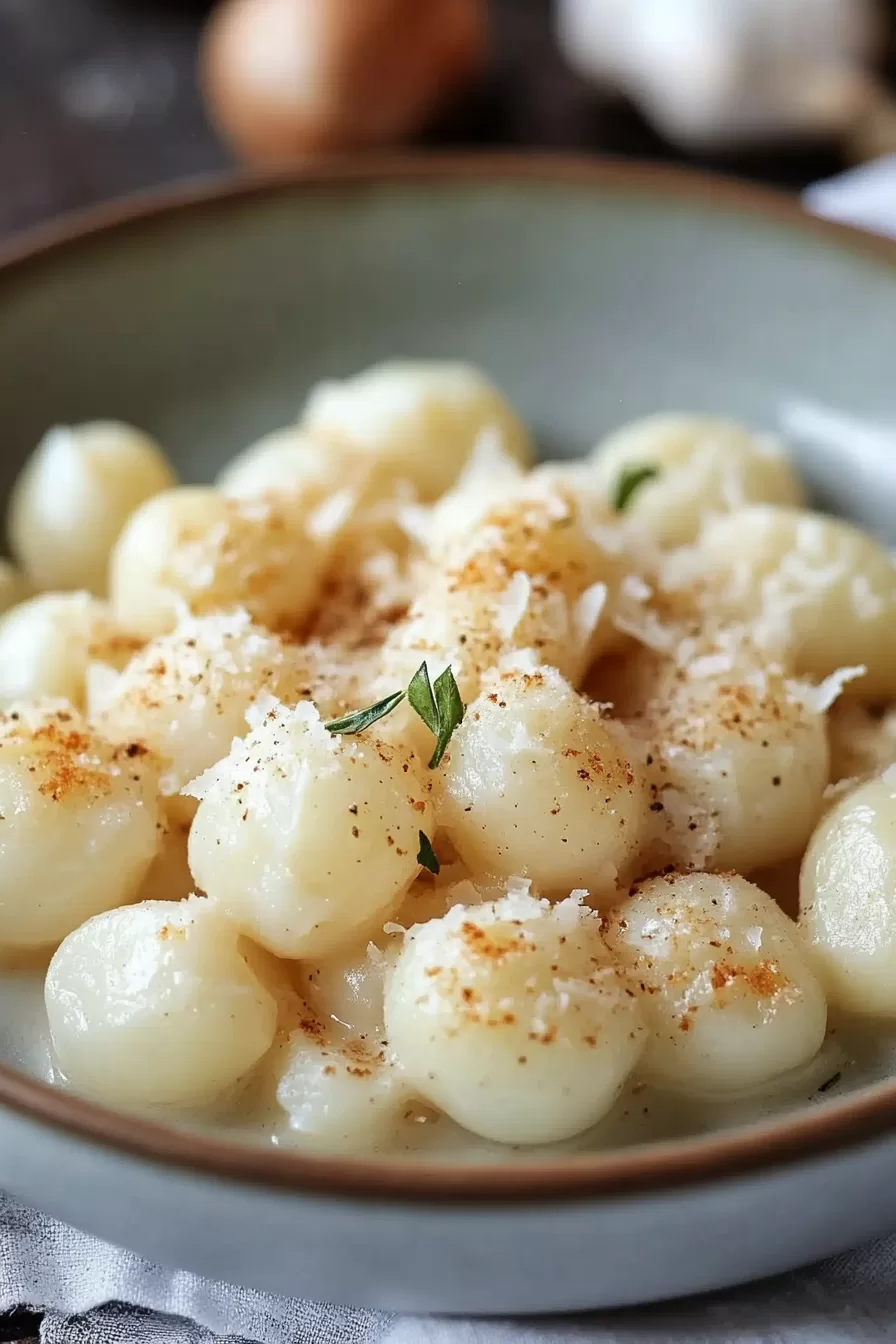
<point x="288" y="77"/>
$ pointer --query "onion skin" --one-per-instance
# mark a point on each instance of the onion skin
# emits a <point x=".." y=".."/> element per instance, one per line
<point x="283" y="78"/>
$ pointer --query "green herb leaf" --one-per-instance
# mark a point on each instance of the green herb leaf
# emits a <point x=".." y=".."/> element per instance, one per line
<point x="422" y="700"/>
<point x="450" y="710"/>
<point x="629" y="483"/>
<point x="359" y="719"/>
<point x="427" y="855"/>
<point x="440" y="708"/>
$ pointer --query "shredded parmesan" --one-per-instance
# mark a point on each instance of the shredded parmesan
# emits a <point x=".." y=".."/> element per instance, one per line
<point x="710" y="665"/>
<point x="645" y="626"/>
<point x="415" y="521"/>
<point x="331" y="516"/>
<point x="753" y="936"/>
<point x="867" y="604"/>
<point x="635" y="588"/>
<point x="512" y="605"/>
<point x="610" y="537"/>
<point x="488" y="463"/>
<point x="557" y="508"/>
<point x="587" y="612"/>
<point x="519" y="660"/>
<point x="818" y="699"/>
<point x="844" y="786"/>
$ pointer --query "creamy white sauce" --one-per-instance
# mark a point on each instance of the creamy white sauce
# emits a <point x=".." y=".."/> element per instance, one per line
<point x="859" y="1054"/>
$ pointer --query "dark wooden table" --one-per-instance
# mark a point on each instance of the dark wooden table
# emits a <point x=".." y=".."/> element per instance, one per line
<point x="98" y="99"/>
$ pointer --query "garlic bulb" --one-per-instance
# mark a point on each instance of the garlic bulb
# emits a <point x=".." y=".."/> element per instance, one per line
<point x="714" y="72"/>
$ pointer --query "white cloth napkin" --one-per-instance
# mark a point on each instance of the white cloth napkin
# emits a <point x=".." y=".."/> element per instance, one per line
<point x="865" y="197"/>
<point x="85" y="1286"/>
<point x="92" y="1293"/>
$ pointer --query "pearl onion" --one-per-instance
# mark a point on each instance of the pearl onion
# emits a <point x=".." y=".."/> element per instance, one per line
<point x="196" y="549"/>
<point x="287" y="462"/>
<point x="48" y="643"/>
<point x="308" y="839"/>
<point x="703" y="466"/>
<point x="816" y="590"/>
<point x="537" y="784"/>
<point x="155" y="1004"/>
<point x="726" y="989"/>
<point x="530" y="577"/>
<point x="345" y="990"/>
<point x="415" y="420"/>
<point x="512" y="1018"/>
<point x="340" y="1095"/>
<point x="186" y="695"/>
<point x="743" y="756"/>
<point x="73" y="497"/>
<point x="79" y="823"/>
<point x="848" y="898"/>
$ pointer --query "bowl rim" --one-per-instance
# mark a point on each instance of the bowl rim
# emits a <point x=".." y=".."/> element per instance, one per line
<point x="809" y="1132"/>
<point x="715" y="192"/>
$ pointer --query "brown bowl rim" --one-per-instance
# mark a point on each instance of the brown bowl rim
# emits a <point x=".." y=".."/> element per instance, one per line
<point x="645" y="1169"/>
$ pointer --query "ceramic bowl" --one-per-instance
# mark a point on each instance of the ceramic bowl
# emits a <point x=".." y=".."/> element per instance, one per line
<point x="592" y="293"/>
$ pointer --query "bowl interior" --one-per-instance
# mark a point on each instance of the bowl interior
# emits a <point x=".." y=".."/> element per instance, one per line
<point x="591" y="297"/>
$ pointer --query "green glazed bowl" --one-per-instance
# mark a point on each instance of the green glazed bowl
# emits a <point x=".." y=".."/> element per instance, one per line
<point x="592" y="293"/>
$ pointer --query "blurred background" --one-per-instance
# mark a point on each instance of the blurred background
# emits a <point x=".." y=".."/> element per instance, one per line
<point x="99" y="98"/>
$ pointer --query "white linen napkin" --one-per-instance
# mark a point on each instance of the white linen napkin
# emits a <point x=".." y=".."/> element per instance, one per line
<point x="865" y="197"/>
<point x="92" y="1293"/>
<point x="97" y="1294"/>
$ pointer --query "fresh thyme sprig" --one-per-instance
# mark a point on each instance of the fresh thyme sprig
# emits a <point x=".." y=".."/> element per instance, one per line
<point x="439" y="706"/>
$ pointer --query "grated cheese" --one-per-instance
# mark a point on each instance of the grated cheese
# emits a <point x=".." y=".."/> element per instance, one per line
<point x="818" y="699"/>
<point x="634" y="587"/>
<point x="330" y="517"/>
<point x="512" y="605"/>
<point x="587" y="611"/>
